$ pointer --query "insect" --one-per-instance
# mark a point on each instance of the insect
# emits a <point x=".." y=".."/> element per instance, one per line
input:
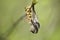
<point x="32" y="18"/>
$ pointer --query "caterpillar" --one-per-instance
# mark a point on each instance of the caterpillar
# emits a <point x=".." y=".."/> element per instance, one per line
<point x="32" y="18"/>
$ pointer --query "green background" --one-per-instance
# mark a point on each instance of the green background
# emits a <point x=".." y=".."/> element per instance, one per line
<point x="48" y="12"/>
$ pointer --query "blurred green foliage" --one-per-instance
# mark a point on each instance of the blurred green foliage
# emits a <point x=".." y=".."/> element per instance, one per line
<point x="48" y="12"/>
